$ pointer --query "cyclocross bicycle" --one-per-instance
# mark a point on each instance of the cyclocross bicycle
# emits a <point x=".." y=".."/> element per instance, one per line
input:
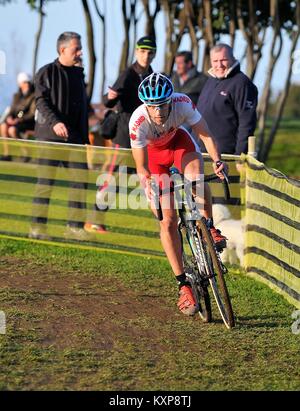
<point x="201" y="258"/>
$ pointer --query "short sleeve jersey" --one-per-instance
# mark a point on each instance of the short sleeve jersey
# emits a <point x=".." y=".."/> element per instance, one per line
<point x="143" y="131"/>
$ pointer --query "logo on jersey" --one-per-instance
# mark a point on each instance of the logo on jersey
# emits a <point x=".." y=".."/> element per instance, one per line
<point x="137" y="123"/>
<point x="133" y="136"/>
<point x="223" y="93"/>
<point x="181" y="99"/>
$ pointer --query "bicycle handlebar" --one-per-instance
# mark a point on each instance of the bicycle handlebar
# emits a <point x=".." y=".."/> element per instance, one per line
<point x="210" y="177"/>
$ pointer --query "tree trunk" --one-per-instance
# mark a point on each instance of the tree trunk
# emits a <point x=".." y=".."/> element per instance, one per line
<point x="188" y="7"/>
<point x="103" y="48"/>
<point x="91" y="47"/>
<point x="232" y="25"/>
<point x="208" y="34"/>
<point x="251" y="36"/>
<point x="125" y="48"/>
<point x="134" y="37"/>
<point x="38" y="36"/>
<point x="150" y="19"/>
<point x="172" y="45"/>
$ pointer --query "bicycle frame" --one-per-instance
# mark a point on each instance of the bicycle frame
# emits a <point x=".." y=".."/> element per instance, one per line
<point x="209" y="267"/>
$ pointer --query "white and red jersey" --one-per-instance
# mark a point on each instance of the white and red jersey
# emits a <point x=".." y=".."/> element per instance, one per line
<point x="143" y="131"/>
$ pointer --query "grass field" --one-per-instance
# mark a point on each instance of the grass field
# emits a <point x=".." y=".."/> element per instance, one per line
<point x="87" y="320"/>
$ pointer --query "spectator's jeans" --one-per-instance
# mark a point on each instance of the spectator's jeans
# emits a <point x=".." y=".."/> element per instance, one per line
<point x="46" y="173"/>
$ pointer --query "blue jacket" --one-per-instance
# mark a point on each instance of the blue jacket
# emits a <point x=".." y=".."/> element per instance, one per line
<point x="229" y="107"/>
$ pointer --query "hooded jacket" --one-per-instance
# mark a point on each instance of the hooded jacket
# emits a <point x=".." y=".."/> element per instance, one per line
<point x="229" y="107"/>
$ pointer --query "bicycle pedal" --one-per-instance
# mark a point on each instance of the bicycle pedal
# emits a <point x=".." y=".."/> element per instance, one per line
<point x="219" y="247"/>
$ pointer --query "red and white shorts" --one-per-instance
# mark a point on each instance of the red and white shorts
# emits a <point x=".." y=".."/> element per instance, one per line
<point x="162" y="157"/>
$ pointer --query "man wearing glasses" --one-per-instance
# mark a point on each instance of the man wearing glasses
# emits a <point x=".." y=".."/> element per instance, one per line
<point x="159" y="141"/>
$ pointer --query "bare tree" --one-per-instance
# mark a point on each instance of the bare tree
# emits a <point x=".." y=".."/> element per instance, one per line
<point x="150" y="18"/>
<point x="173" y="37"/>
<point x="39" y="6"/>
<point x="103" y="45"/>
<point x="251" y="33"/>
<point x="38" y="34"/>
<point x="208" y="33"/>
<point x="232" y="22"/>
<point x="91" y="48"/>
<point x="128" y="17"/>
<point x="135" y="20"/>
<point x="191" y="24"/>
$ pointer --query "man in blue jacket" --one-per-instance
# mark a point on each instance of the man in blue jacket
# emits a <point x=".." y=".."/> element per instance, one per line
<point x="228" y="102"/>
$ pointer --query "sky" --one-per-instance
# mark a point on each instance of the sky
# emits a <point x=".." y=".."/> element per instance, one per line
<point x="18" y="25"/>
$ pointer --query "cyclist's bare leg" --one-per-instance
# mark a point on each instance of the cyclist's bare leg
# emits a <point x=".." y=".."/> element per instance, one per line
<point x="169" y="234"/>
<point x="192" y="165"/>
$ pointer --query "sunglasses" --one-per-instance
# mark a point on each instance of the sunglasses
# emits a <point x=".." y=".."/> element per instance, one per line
<point x="159" y="106"/>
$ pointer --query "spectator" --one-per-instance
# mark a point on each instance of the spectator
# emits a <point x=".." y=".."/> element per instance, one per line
<point x="62" y="117"/>
<point x="228" y="102"/>
<point x="186" y="79"/>
<point x="20" y="116"/>
<point x="124" y="92"/>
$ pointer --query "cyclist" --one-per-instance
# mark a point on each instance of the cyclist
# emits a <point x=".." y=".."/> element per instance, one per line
<point x="158" y="141"/>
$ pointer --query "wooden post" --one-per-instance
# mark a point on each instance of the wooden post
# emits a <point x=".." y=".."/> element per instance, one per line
<point x="251" y="146"/>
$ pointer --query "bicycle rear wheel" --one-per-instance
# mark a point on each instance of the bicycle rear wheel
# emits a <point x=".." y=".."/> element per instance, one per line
<point x="216" y="276"/>
<point x="191" y="267"/>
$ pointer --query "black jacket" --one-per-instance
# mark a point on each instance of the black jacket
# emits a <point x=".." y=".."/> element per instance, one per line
<point x="52" y="94"/>
<point x="127" y="86"/>
<point x="192" y="86"/>
<point x="229" y="107"/>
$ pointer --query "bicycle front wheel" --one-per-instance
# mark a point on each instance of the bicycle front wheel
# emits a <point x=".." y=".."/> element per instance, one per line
<point x="199" y="285"/>
<point x="215" y="274"/>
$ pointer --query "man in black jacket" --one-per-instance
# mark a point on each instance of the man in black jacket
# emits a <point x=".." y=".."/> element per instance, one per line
<point x="124" y="92"/>
<point x="228" y="102"/>
<point x="61" y="117"/>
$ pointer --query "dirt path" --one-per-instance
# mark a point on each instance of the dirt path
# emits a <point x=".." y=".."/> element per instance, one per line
<point x="66" y="306"/>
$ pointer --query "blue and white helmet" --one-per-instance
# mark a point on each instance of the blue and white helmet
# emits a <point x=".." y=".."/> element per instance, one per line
<point x="155" y="89"/>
